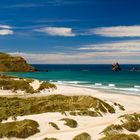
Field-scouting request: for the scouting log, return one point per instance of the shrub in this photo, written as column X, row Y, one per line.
column 19, row 129
column 46, row 85
column 82, row 136
column 122, row 137
column 70, row 122
column 132, row 126
column 54, row 125
column 50, row 139
column 112, row 129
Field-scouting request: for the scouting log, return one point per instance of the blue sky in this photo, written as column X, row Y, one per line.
column 71, row 31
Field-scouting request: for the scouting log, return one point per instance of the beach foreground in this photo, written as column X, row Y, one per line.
column 91, row 125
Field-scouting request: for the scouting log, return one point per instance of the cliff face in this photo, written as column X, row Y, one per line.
column 10, row 63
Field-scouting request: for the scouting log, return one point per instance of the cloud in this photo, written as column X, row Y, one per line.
column 81, row 57
column 116, row 31
column 57, row 31
column 120, row 46
column 5, row 26
column 6, row 30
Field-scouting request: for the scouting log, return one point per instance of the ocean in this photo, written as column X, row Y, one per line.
column 91, row 76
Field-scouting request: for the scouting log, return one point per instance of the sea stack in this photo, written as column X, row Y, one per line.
column 116, row 67
column 9, row 63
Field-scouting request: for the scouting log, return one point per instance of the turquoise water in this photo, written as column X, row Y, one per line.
column 93, row 76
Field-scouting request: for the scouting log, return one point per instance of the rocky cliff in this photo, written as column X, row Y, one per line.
column 9, row 63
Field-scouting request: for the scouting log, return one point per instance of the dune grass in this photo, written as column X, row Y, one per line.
column 50, row 139
column 15, row 84
column 122, row 137
column 112, row 129
column 52, row 103
column 54, row 125
column 70, row 122
column 19, row 129
column 130, row 122
column 82, row 136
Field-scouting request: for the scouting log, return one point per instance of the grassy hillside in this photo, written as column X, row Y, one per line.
column 9, row 63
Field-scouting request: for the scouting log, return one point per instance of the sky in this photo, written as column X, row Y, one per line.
column 71, row 31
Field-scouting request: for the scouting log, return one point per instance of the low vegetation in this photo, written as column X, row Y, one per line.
column 19, row 129
column 122, row 137
column 130, row 122
column 52, row 103
column 54, row 125
column 50, row 139
column 19, row 84
column 121, row 107
column 70, row 122
column 82, row 136
column 46, row 85
column 9, row 63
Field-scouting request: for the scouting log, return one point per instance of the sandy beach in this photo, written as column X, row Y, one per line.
column 91, row 125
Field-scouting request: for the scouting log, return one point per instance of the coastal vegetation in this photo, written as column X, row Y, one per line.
column 9, row 63
column 16, row 84
column 54, row 125
column 82, row 136
column 129, row 122
column 122, row 137
column 19, row 129
column 70, row 122
column 50, row 139
column 53, row 103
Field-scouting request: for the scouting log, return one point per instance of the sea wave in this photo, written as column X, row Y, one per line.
column 110, row 86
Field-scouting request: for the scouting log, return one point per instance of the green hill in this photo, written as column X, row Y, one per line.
column 9, row 63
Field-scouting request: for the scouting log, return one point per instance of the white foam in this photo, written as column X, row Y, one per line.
column 135, row 86
column 111, row 85
column 98, row 84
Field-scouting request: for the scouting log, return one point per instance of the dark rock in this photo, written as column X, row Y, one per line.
column 116, row 67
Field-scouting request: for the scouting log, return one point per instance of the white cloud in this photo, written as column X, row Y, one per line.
column 116, row 31
column 81, row 57
column 57, row 31
column 5, row 26
column 122, row 46
column 6, row 30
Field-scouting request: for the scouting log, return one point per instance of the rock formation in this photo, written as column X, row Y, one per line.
column 116, row 67
column 9, row 63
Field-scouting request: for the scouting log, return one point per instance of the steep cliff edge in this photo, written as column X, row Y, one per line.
column 9, row 63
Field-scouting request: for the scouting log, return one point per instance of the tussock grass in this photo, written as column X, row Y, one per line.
column 82, row 136
column 112, row 129
column 54, row 125
column 52, row 103
column 19, row 129
column 50, row 139
column 130, row 122
column 122, row 137
column 46, row 85
column 132, row 126
column 70, row 122
column 15, row 84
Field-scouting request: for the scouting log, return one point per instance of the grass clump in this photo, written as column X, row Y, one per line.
column 46, row 85
column 85, row 113
column 122, row 137
column 19, row 129
column 19, row 84
column 132, row 126
column 82, row 136
column 112, row 129
column 54, row 125
column 50, row 139
column 53, row 103
column 70, row 122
